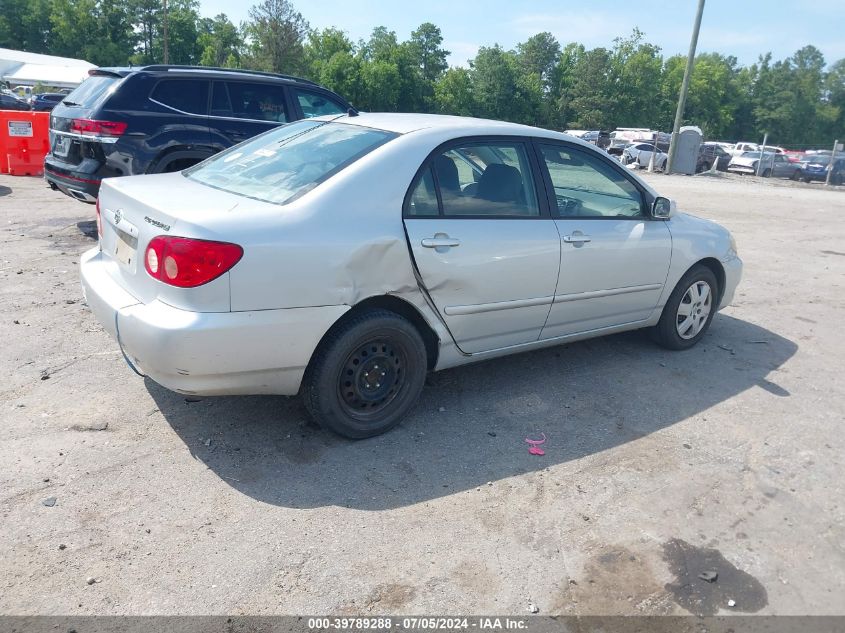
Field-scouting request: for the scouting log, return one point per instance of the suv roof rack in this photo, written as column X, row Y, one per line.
column 241, row 71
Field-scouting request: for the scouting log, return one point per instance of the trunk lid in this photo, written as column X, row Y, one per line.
column 136, row 209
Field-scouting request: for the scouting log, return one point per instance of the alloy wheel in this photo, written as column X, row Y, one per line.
column 694, row 310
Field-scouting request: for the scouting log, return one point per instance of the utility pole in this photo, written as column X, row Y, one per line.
column 831, row 163
column 762, row 153
column 682, row 98
column 166, row 52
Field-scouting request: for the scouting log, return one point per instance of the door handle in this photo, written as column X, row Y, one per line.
column 577, row 239
column 440, row 242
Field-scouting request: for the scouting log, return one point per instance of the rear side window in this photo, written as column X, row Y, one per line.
column 90, row 91
column 287, row 162
column 185, row 95
column 315, row 104
column 258, row 102
column 477, row 179
column 423, row 200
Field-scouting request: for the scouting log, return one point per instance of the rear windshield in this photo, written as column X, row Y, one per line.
column 287, row 162
column 90, row 91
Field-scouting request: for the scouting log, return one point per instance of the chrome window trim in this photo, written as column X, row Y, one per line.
column 216, row 116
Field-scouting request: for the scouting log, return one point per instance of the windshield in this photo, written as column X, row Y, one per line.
column 818, row 160
column 89, row 91
column 287, row 162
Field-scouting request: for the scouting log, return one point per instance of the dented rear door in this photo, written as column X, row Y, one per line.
column 485, row 248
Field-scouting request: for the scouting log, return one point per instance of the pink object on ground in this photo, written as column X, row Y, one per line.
column 534, row 445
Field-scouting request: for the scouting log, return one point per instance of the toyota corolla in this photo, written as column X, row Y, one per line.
column 341, row 259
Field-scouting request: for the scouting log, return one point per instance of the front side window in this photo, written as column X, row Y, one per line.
column 314, row 104
column 586, row 186
column 285, row 163
column 479, row 179
column 185, row 95
column 258, row 102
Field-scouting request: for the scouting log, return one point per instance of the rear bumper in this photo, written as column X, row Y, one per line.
column 73, row 180
column 733, row 275
column 207, row 353
column 819, row 176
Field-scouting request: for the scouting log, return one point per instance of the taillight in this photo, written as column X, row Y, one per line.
column 90, row 127
column 188, row 263
column 99, row 219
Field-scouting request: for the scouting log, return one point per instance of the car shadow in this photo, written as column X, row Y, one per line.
column 5, row 191
column 88, row 228
column 470, row 425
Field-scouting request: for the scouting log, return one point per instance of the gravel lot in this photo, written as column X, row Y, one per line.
column 659, row 465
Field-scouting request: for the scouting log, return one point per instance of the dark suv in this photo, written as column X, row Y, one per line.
column 155, row 119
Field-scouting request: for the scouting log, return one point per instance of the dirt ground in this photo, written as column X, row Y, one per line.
column 659, row 465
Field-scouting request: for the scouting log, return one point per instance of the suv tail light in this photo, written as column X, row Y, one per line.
column 99, row 219
column 90, row 127
column 188, row 263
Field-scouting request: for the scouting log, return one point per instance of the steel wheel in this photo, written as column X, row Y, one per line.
column 372, row 377
column 366, row 374
column 694, row 310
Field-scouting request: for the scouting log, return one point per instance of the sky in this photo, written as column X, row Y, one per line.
column 742, row 28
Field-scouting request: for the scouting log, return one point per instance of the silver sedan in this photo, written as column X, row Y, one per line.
column 342, row 259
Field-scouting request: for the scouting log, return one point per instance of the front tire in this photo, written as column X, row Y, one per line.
column 689, row 311
column 366, row 375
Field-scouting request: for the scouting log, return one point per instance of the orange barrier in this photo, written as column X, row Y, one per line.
column 24, row 142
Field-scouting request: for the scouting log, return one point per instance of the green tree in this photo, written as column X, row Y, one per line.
column 587, row 99
column 146, row 16
column 494, row 83
column 99, row 31
column 220, row 42
column 330, row 57
column 25, row 25
column 427, row 55
column 426, row 50
column 453, row 93
column 276, row 32
column 538, row 55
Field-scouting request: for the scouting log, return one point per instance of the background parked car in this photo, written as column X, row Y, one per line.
column 815, row 167
column 710, row 154
column 740, row 148
column 599, row 138
column 640, row 155
column 10, row 102
column 777, row 165
column 46, row 101
column 156, row 119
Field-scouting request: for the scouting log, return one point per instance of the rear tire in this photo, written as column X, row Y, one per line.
column 687, row 314
column 366, row 375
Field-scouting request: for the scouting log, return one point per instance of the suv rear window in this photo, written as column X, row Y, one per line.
column 287, row 162
column 185, row 95
column 90, row 91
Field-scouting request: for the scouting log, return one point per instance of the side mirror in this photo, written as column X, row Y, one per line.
column 663, row 208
